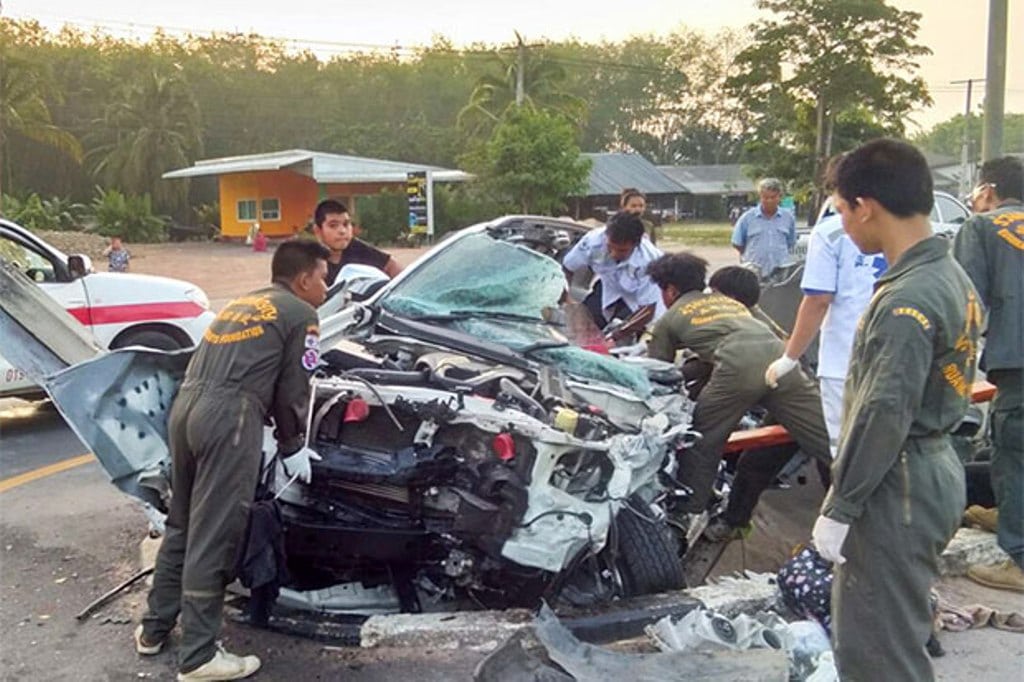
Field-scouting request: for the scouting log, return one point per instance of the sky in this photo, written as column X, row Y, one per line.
column 955, row 31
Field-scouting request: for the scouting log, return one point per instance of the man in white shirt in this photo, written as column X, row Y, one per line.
column 618, row 254
column 838, row 281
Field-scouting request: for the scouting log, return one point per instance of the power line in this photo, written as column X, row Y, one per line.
column 335, row 46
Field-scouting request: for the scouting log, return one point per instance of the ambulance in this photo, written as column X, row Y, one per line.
column 119, row 308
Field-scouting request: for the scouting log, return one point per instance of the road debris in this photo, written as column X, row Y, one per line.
column 102, row 600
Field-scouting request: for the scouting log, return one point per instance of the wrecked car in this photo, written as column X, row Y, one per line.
column 473, row 451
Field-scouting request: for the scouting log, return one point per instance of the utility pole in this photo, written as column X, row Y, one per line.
column 995, row 80
column 520, row 70
column 966, row 159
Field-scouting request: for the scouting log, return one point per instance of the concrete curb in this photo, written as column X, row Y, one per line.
column 476, row 630
column 486, row 630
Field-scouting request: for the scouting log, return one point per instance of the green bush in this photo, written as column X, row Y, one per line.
column 208, row 216
column 35, row 213
column 129, row 217
column 461, row 205
column 385, row 217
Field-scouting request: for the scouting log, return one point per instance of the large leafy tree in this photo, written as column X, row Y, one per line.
column 153, row 128
column 532, row 160
column 690, row 118
column 25, row 87
column 520, row 77
column 825, row 59
column 947, row 137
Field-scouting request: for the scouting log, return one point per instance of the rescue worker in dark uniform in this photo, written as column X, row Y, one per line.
column 254, row 360
column 755, row 469
column 722, row 332
column 990, row 247
column 897, row 485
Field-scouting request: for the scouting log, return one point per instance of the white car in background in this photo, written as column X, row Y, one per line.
column 948, row 214
column 120, row 309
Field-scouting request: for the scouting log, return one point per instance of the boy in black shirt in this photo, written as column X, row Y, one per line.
column 332, row 226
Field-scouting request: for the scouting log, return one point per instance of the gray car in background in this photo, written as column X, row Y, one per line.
column 948, row 214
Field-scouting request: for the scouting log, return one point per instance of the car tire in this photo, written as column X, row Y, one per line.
column 150, row 339
column 648, row 553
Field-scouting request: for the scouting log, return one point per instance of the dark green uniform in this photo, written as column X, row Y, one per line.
column 990, row 247
column 254, row 360
column 723, row 332
column 897, row 480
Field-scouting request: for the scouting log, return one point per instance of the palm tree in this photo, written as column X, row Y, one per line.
column 152, row 128
column 24, row 89
column 493, row 94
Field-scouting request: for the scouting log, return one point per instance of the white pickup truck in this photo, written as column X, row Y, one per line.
column 120, row 309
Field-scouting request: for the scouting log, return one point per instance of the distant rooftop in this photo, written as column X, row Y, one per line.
column 612, row 172
column 720, row 179
column 321, row 166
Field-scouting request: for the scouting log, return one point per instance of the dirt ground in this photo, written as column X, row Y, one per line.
column 226, row 270
column 222, row 270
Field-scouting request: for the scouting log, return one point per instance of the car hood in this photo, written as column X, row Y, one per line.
column 117, row 287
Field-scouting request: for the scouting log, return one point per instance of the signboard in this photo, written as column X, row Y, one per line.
column 417, row 192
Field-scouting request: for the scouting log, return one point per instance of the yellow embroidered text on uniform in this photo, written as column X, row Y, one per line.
column 907, row 311
column 1013, row 228
column 211, row 336
column 707, row 319
column 955, row 378
column 265, row 311
column 713, row 308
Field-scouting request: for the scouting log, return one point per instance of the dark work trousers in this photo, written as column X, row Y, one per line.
column 215, row 437
column 755, row 471
column 881, row 617
column 734, row 388
column 1008, row 459
column 593, row 304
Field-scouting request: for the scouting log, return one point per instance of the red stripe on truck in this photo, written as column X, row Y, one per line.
column 138, row 312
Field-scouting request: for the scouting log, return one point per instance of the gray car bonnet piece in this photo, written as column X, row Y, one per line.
column 118, row 404
column 584, row 661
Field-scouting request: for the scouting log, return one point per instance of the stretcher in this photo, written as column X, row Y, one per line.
column 764, row 436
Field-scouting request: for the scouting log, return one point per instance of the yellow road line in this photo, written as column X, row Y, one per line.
column 43, row 472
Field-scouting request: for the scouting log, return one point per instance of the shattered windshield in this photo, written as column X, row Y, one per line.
column 498, row 291
column 478, row 272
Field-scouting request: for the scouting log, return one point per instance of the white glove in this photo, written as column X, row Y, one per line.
column 778, row 369
column 300, row 465
column 829, row 537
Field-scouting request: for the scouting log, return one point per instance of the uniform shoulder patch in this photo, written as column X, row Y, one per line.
column 310, row 359
column 909, row 311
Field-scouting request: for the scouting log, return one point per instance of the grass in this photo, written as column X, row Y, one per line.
column 696, row 233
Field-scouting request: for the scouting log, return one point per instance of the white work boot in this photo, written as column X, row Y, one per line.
column 146, row 648
column 223, row 666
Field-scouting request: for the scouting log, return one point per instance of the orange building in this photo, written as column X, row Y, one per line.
column 278, row 191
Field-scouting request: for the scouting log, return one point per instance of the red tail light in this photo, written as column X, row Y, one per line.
column 504, row 447
column 357, row 410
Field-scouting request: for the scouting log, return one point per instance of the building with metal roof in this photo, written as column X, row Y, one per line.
column 719, row 180
column 612, row 172
column 278, row 191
